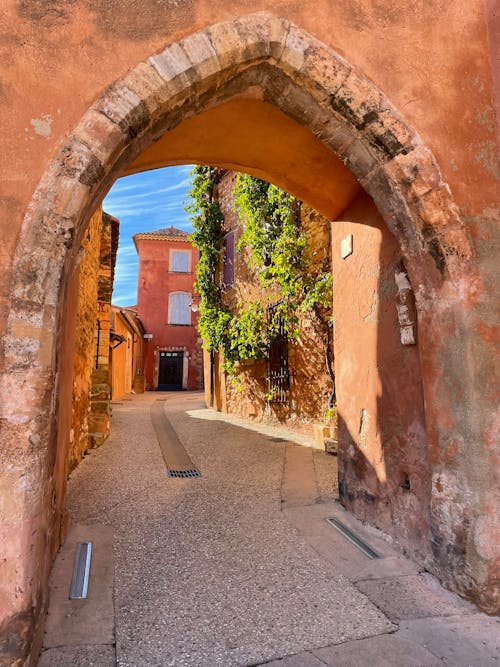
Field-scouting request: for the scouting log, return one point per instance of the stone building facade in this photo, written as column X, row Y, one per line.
column 165, row 301
column 309, row 387
column 91, row 378
column 303, row 96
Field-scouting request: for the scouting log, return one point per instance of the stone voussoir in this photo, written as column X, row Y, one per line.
column 416, row 170
column 101, row 135
column 357, row 100
column 315, row 68
column 236, row 45
column 201, row 53
column 78, row 161
column 32, row 291
column 70, row 198
column 262, row 35
column 124, row 108
column 436, row 209
column 147, row 84
column 388, row 135
column 358, row 157
column 175, row 69
column 299, row 105
column 21, row 351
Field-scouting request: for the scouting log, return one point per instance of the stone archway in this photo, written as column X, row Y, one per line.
column 315, row 86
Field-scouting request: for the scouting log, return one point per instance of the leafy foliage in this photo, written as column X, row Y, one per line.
column 275, row 243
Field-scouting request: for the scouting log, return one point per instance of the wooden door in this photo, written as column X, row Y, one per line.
column 170, row 371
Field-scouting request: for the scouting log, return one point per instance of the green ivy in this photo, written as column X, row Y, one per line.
column 275, row 244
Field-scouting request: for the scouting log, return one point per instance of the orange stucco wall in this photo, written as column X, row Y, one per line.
column 384, row 469
column 121, row 367
column 155, row 282
column 432, row 60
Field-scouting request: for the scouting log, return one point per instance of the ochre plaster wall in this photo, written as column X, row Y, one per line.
column 431, row 61
column 155, row 282
column 121, row 366
column 126, row 359
column 384, row 473
column 310, row 386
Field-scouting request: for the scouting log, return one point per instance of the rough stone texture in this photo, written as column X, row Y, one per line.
column 310, row 385
column 98, row 420
column 85, row 340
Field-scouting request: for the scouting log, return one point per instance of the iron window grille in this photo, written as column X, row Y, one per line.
column 278, row 375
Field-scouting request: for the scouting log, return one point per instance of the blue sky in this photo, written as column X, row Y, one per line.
column 144, row 202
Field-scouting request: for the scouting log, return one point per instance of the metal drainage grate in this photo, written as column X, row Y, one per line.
column 184, row 473
column 353, row 538
column 81, row 571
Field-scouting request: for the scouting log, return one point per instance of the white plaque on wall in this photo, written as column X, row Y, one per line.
column 346, row 246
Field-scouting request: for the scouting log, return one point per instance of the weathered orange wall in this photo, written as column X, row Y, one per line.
column 52, row 48
column 126, row 359
column 384, row 474
column 121, row 366
column 85, row 349
column 155, row 282
column 433, row 62
column 310, row 386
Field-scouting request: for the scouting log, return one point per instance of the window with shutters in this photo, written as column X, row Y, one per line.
column 179, row 308
column 180, row 261
column 228, row 257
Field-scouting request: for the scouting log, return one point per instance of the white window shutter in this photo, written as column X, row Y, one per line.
column 180, row 261
column 179, row 312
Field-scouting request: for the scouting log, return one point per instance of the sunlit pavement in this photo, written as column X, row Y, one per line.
column 239, row 566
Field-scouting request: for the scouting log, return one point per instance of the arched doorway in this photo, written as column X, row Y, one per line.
column 267, row 59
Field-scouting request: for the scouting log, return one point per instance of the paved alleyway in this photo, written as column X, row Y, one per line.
column 239, row 566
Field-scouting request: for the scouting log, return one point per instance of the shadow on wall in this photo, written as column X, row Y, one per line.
column 384, row 473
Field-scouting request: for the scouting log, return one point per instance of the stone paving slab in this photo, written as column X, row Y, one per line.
column 299, row 485
column 80, row 656
column 382, row 651
column 305, row 659
column 311, row 522
column 90, row 620
column 458, row 641
column 414, row 596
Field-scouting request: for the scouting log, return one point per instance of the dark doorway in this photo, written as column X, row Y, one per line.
column 170, row 371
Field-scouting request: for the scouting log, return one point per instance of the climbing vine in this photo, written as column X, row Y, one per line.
column 207, row 219
column 276, row 249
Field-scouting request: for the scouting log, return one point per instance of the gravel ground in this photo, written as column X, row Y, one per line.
column 209, row 571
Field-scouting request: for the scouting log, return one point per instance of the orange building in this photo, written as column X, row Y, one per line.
column 165, row 304
column 126, row 352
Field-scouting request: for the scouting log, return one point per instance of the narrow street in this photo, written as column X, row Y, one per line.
column 238, row 566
